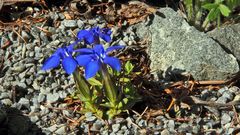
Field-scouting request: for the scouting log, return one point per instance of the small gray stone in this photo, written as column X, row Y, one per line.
column 80, row 24
column 62, row 94
column 171, row 124
column 228, row 95
column 25, row 35
column 4, row 95
column 115, row 127
column 196, row 129
column 222, row 90
column 119, row 120
column 91, row 118
column 61, row 15
column 230, row 131
column 70, row 23
column 92, row 21
column 52, row 97
column 234, row 89
column 31, row 54
column 121, row 42
column 44, row 38
column 19, row 68
column 41, row 97
column 164, row 132
column 44, row 110
column 6, row 102
column 61, row 131
column 36, row 9
column 53, row 128
column 34, row 119
column 25, row 102
column 96, row 126
column 227, row 126
column 151, row 125
column 88, row 114
column 129, row 122
column 66, row 113
column 225, row 119
column 142, row 123
column 222, row 100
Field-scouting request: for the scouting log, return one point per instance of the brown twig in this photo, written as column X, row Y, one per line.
column 19, row 36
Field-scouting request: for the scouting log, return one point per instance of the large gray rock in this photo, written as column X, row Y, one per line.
column 177, row 48
column 228, row 37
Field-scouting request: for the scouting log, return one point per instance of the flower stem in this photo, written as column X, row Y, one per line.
column 82, row 86
column 110, row 88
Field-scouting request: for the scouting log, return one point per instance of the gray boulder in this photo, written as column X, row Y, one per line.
column 177, row 48
column 229, row 38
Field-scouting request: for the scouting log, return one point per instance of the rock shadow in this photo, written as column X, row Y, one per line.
column 14, row 122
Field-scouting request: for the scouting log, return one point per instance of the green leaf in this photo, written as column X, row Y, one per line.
column 224, row 10
column 137, row 73
column 94, row 82
column 213, row 14
column 210, row 6
column 124, row 80
column 128, row 67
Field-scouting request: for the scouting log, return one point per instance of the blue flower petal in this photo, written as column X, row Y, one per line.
column 91, row 69
column 109, row 49
column 99, row 49
column 81, row 34
column 89, row 39
column 83, row 60
column 69, row 65
column 105, row 37
column 113, row 63
column 106, row 31
column 84, row 51
column 51, row 62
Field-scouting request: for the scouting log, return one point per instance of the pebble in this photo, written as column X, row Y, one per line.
column 70, row 23
column 96, row 126
column 53, row 128
column 61, row 131
column 225, row 119
column 62, row 16
column 25, row 35
column 34, row 119
column 52, row 97
column 164, row 132
column 6, row 102
column 222, row 100
column 222, row 90
column 228, row 95
column 142, row 123
column 80, row 24
column 91, row 118
column 25, row 102
column 4, row 95
column 171, row 124
column 115, row 127
column 92, row 21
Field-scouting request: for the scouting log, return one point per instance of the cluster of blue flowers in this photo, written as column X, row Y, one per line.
column 91, row 59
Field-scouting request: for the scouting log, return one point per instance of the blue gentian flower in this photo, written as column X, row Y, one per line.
column 93, row 35
column 92, row 59
column 65, row 56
